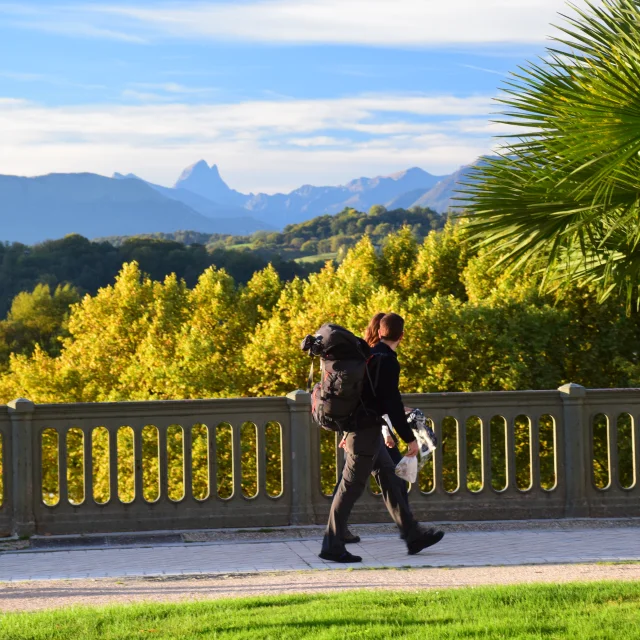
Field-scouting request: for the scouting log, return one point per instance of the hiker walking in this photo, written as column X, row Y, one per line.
column 359, row 385
column 372, row 338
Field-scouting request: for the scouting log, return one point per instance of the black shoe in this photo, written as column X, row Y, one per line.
column 350, row 538
column 345, row 557
column 427, row 539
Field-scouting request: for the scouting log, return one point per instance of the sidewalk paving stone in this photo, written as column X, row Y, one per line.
column 458, row 549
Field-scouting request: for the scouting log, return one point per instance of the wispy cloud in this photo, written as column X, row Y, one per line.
column 371, row 22
column 173, row 88
column 484, row 69
column 12, row 8
column 74, row 21
column 145, row 96
column 79, row 30
column 269, row 145
column 318, row 141
column 184, row 73
column 20, row 76
column 354, row 71
column 162, row 91
column 401, row 23
column 12, row 102
column 25, row 77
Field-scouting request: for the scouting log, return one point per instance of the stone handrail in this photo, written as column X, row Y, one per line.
column 571, row 409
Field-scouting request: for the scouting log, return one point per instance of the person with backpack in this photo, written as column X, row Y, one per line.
column 359, row 385
column 372, row 338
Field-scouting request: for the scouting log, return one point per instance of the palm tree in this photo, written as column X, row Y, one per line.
column 565, row 189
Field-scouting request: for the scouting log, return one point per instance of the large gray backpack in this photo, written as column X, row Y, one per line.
column 336, row 401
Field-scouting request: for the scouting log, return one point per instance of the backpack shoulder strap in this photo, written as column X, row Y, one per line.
column 310, row 379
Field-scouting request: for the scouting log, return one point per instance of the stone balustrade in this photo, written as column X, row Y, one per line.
column 571, row 452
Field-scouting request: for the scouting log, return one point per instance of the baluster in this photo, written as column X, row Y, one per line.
column 462, row 454
column 612, row 438
column 62, row 466
column 535, row 453
column 162, row 462
column 88, row 466
column 261, row 458
column 137, row 464
column 212, row 460
column 438, row 475
column 236, row 433
column 636, row 456
column 3, row 467
column 113, row 463
column 511, row 455
column 486, row 452
column 187, row 461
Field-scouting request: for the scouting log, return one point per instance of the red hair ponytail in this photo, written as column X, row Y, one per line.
column 372, row 332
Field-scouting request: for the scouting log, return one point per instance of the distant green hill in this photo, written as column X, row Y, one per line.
column 330, row 234
column 322, row 237
column 90, row 265
column 297, row 251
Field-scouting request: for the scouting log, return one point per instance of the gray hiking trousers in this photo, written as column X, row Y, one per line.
column 365, row 454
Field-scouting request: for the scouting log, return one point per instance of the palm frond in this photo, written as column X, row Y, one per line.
column 569, row 188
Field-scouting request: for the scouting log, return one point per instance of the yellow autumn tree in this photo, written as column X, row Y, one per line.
column 348, row 295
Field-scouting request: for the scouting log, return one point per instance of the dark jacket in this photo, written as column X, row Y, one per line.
column 384, row 369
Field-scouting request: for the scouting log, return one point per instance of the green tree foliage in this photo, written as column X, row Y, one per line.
column 328, row 233
column 399, row 259
column 88, row 266
column 468, row 329
column 566, row 186
column 348, row 294
column 36, row 318
column 440, row 264
column 321, row 235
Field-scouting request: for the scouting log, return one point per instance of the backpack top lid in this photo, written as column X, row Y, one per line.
column 339, row 343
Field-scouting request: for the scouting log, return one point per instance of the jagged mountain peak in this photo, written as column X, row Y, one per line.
column 410, row 179
column 122, row 176
column 413, row 186
column 199, row 171
column 412, row 172
column 206, row 181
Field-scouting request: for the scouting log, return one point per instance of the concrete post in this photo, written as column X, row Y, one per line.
column 21, row 412
column 576, row 450
column 301, row 506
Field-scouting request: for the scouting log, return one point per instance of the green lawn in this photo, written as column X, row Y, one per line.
column 317, row 258
column 578, row 611
column 244, row 245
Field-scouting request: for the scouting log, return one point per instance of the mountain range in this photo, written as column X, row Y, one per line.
column 413, row 187
column 51, row 206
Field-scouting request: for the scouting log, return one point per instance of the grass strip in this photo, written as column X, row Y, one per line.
column 594, row 610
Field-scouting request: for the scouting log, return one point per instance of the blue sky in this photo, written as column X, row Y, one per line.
column 278, row 93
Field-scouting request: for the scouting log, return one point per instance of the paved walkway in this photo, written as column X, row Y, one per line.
column 458, row 549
